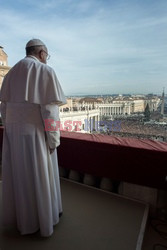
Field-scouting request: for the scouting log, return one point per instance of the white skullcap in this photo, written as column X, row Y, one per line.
column 35, row 42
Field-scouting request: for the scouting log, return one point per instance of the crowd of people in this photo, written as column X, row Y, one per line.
column 139, row 129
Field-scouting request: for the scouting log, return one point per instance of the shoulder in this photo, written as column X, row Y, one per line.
column 46, row 68
column 34, row 64
column 23, row 63
column 13, row 69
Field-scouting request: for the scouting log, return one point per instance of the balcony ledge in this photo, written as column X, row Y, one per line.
column 137, row 161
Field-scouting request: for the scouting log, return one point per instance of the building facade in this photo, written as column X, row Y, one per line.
column 84, row 121
column 4, row 68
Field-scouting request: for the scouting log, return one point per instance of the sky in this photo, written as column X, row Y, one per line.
column 97, row 46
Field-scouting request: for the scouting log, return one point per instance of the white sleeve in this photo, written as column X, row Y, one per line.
column 50, row 116
column 3, row 112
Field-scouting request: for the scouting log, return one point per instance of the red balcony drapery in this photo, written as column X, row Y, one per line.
column 138, row 161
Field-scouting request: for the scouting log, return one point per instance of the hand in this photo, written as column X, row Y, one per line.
column 51, row 150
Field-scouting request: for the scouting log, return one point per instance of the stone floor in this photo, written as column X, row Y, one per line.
column 92, row 220
column 153, row 240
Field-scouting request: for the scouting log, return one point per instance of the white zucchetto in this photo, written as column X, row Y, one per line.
column 35, row 42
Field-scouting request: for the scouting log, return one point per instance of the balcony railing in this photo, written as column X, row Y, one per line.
column 137, row 161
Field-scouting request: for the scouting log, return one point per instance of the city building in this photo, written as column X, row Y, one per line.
column 85, row 120
column 4, row 68
column 112, row 107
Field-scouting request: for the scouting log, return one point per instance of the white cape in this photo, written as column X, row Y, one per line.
column 32, row 81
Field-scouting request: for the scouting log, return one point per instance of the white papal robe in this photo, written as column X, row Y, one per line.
column 31, row 197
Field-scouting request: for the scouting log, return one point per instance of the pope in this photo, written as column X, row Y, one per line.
column 31, row 94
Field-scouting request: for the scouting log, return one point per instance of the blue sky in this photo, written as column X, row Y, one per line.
column 96, row 46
